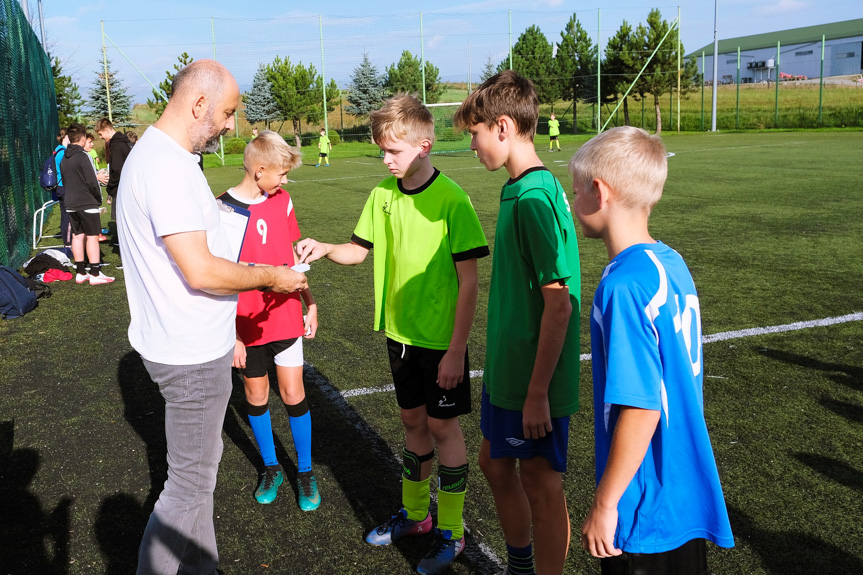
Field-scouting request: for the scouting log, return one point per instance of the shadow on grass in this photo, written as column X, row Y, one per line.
column 838, row 471
column 119, row 526
column 31, row 541
column 848, row 375
column 793, row 552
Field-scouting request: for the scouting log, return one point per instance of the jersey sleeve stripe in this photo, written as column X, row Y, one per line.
column 361, row 242
column 474, row 253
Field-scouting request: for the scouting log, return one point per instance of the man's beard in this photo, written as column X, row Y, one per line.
column 205, row 142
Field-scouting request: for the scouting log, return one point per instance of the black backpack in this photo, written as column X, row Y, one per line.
column 48, row 175
column 16, row 299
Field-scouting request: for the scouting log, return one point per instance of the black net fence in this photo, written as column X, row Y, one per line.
column 28, row 130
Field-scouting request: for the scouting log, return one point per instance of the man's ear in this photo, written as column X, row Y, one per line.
column 199, row 106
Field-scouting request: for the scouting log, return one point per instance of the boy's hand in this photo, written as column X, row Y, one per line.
column 309, row 250
column 536, row 416
column 311, row 321
column 239, row 355
column 597, row 532
column 450, row 370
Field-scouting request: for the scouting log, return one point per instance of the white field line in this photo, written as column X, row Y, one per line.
column 783, row 145
column 721, row 336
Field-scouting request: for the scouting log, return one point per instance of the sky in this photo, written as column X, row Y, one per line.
column 143, row 40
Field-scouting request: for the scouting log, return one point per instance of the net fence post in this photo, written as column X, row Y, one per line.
column 105, row 66
column 821, row 83
column 423, row 58
column 323, row 76
column 598, row 71
column 776, row 78
column 737, row 121
column 678, row 68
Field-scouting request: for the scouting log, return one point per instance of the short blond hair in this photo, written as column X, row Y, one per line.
column 402, row 118
column 631, row 161
column 270, row 150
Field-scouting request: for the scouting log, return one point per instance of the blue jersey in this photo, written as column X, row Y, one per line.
column 645, row 329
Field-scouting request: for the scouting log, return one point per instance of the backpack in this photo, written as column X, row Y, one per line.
column 15, row 297
column 48, row 175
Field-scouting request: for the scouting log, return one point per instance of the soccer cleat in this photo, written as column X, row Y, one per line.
column 268, row 488
column 397, row 527
column 307, row 486
column 317, row 165
column 443, row 552
column 100, row 279
column 82, row 278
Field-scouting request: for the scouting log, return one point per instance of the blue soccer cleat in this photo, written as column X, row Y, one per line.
column 397, row 527
column 443, row 552
column 307, row 486
column 268, row 488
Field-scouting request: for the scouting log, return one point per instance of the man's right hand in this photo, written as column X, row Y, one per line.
column 287, row 280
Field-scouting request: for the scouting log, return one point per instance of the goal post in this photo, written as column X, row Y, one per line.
column 448, row 138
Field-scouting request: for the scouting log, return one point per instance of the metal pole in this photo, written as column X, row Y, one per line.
column 213, row 32
column 26, row 10
column 423, row 57
column 702, row 90
column 598, row 66
column 737, row 122
column 715, row 64
column 221, row 155
column 42, row 27
column 678, row 69
column 776, row 79
column 324, row 77
column 468, row 67
column 510, row 39
column 105, row 66
column 821, row 83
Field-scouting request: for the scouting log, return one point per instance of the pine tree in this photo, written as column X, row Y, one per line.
column 575, row 65
column 159, row 102
column 68, row 95
column 660, row 77
column 367, row 90
column 406, row 76
column 298, row 93
column 532, row 58
column 121, row 102
column 624, row 57
column 259, row 101
column 488, row 71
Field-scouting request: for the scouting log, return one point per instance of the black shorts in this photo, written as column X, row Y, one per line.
column 415, row 377
column 259, row 358
column 85, row 223
column 552, row 137
column 688, row 559
column 322, row 155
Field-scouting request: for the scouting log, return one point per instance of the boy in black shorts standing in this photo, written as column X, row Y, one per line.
column 423, row 227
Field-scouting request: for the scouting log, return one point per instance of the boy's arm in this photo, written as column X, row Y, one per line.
column 350, row 254
column 536, row 414
column 310, row 323
column 450, row 371
column 632, row 434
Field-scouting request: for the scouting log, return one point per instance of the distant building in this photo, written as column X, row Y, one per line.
column 799, row 54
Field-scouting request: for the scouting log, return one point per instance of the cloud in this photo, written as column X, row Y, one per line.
column 100, row 7
column 435, row 41
column 782, row 7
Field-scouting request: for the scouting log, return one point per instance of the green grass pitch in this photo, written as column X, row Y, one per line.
column 771, row 227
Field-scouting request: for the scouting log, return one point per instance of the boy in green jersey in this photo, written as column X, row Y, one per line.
column 553, row 132
column 532, row 353
column 324, row 147
column 427, row 239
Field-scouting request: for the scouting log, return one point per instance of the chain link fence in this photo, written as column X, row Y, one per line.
column 28, row 130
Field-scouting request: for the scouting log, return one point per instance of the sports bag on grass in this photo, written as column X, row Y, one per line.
column 48, row 175
column 15, row 297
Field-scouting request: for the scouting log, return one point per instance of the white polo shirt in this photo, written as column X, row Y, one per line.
column 162, row 192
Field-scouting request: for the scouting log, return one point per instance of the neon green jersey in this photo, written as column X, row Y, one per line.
column 554, row 127
column 418, row 235
column 324, row 144
column 534, row 245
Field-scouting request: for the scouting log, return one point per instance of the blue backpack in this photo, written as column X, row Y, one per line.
column 16, row 299
column 48, row 175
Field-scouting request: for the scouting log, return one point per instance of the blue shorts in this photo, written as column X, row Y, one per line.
column 503, row 430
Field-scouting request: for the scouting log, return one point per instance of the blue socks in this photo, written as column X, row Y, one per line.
column 519, row 560
column 301, row 429
column 259, row 419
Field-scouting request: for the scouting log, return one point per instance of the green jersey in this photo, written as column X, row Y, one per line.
column 418, row 235
column 554, row 127
column 534, row 245
column 324, row 144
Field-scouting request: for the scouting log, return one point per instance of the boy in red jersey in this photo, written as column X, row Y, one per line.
column 270, row 326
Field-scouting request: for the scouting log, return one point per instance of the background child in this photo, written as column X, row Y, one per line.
column 270, row 326
column 658, row 496
column 423, row 226
column 324, row 147
column 532, row 349
column 553, row 132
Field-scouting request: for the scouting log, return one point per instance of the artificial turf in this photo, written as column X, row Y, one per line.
column 769, row 225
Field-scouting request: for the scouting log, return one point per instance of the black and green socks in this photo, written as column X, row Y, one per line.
column 452, row 487
column 415, row 491
column 519, row 560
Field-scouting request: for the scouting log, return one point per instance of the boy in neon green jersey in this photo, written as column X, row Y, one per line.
column 532, row 352
column 324, row 148
column 427, row 239
column 553, row 132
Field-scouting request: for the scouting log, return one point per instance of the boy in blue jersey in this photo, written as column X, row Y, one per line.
column 658, row 496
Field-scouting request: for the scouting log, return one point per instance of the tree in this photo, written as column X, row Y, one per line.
column 159, row 102
column 488, row 71
column 68, row 95
column 259, row 101
column 121, row 102
column 532, row 58
column 298, row 92
column 367, row 91
column 624, row 58
column 406, row 76
column 575, row 65
column 660, row 76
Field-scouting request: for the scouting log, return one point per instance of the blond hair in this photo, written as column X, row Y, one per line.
column 505, row 94
column 631, row 161
column 271, row 151
column 402, row 118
